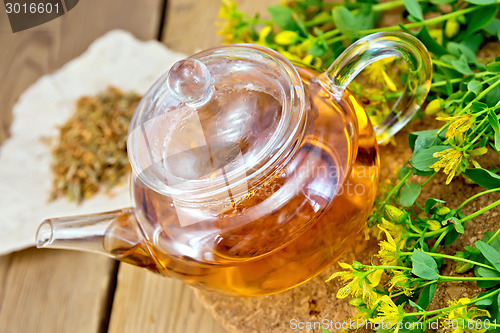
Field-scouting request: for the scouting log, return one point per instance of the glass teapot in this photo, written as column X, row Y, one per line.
column 250, row 176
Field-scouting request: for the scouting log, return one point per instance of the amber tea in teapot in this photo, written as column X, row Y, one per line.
column 251, row 176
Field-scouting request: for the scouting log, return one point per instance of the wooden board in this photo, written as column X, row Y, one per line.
column 58, row 291
column 190, row 24
column 145, row 303
column 53, row 291
column 29, row 54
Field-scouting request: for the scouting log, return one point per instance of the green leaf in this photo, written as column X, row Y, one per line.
column 497, row 142
column 481, row 2
column 485, row 301
column 426, row 295
column 493, row 27
column 441, row 2
column 483, row 177
column 458, row 225
column 487, row 273
column 480, row 18
column 490, row 253
column 424, row 266
column 493, row 96
column 475, row 86
column 422, row 140
column 413, row 7
column 450, row 237
column 424, row 159
column 495, row 243
column 430, row 203
column 403, row 171
column 493, row 67
column 461, row 64
column 493, row 120
column 409, row 193
column 344, row 20
column 282, row 17
column 478, row 106
column 430, row 43
column 415, row 305
column 317, row 50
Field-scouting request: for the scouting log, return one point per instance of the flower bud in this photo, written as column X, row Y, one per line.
column 451, row 28
column 433, row 225
column 356, row 301
column 478, row 151
column 357, row 265
column 286, row 37
column 443, row 211
column 433, row 107
column 394, row 214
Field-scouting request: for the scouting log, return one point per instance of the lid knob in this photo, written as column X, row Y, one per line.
column 190, row 82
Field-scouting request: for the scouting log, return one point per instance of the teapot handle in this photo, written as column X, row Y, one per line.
column 376, row 47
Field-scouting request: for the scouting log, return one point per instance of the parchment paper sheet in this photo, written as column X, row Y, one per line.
column 116, row 59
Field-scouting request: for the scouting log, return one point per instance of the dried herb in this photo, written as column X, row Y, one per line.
column 92, row 146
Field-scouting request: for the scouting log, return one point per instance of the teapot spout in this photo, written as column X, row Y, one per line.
column 115, row 234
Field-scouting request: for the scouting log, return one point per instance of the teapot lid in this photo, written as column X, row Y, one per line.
column 214, row 120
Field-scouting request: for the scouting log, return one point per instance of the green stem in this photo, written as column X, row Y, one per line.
column 398, row 186
column 441, row 237
column 388, row 267
column 483, row 93
column 443, row 64
column 479, row 212
column 432, row 21
column 378, row 8
column 466, row 148
column 441, row 255
column 476, row 196
column 428, row 179
column 466, row 278
column 433, row 233
column 493, row 237
column 458, row 80
column 429, row 22
column 439, row 311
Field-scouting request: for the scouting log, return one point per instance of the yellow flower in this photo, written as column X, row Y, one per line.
column 437, row 35
column 388, row 252
column 459, row 124
column 361, row 316
column 449, row 160
column 264, row 32
column 286, row 37
column 399, row 282
column 376, row 73
column 463, row 315
column 357, row 284
column 388, row 312
column 451, row 28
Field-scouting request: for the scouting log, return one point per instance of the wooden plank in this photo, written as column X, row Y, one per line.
column 53, row 291
column 59, row 291
column 145, row 302
column 29, row 54
column 190, row 24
